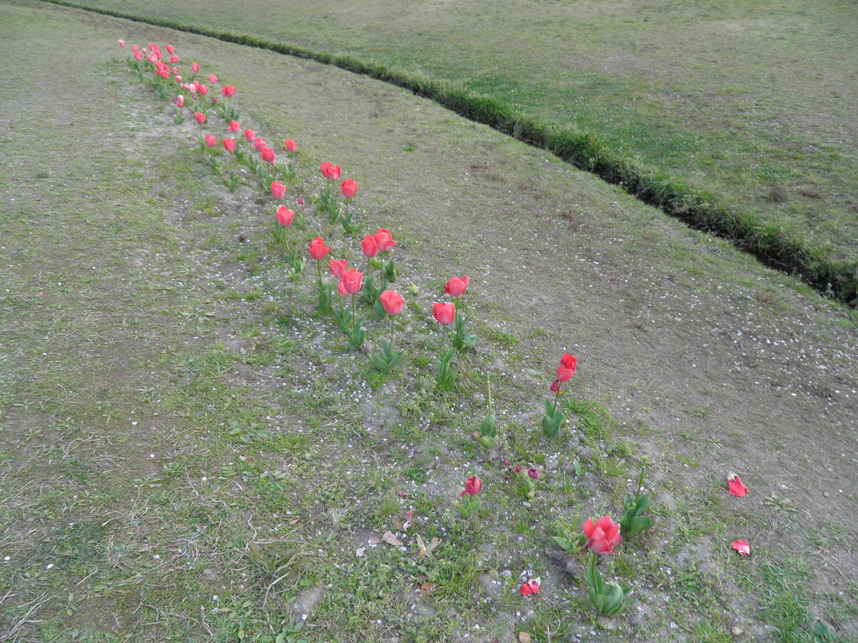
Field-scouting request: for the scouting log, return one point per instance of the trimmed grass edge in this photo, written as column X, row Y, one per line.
column 777, row 248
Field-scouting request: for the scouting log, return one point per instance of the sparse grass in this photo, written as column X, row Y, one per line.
column 161, row 483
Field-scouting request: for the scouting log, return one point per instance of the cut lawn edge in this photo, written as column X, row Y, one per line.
column 776, row 247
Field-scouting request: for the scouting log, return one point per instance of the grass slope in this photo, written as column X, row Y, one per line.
column 734, row 116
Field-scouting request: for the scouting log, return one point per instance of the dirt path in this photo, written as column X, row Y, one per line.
column 711, row 362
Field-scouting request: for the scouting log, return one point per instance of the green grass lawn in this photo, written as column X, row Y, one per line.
column 737, row 115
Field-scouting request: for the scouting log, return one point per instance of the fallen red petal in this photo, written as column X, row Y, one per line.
column 742, row 547
column 530, row 587
column 735, row 486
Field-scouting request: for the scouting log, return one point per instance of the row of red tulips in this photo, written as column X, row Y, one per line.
column 276, row 178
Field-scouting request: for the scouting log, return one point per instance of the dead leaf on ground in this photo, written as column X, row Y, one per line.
column 426, row 588
column 375, row 540
column 390, row 539
column 425, row 550
column 524, row 637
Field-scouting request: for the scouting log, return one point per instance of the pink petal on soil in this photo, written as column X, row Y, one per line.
column 742, row 547
column 735, row 486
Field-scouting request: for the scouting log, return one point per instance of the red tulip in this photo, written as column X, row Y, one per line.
column 212, row 79
column 290, row 145
column 384, row 240
column 227, row 91
column 567, row 367
column 258, row 143
column 278, row 190
column 602, row 535
column 349, row 188
column 300, row 201
column 352, row 280
column 138, row 55
column 202, row 89
column 392, row 302
column 229, row 144
column 234, row 126
column 735, row 486
column 444, row 313
column 338, row 267
column 555, row 386
column 284, row 215
column 268, row 155
column 341, row 288
column 121, row 43
column 195, row 67
column 370, row 249
column 211, row 140
column 456, row 287
column 533, row 472
column 472, row 486
column 318, row 249
column 330, row 170
column 174, row 60
column 180, row 100
column 170, row 49
column 201, row 118
column 530, row 587
column 249, row 134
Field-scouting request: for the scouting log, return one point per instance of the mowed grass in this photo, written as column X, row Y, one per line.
column 745, row 108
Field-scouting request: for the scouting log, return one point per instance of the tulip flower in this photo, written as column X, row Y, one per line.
column 249, row 134
column 170, row 49
column 602, row 535
column 212, row 79
column 211, row 140
column 229, row 144
column 174, row 60
column 338, row 267
column 533, row 472
column 227, row 91
column 384, row 240
column 392, row 302
column 567, row 367
column 201, row 118
column 268, row 155
column 329, row 170
column 290, row 145
column 284, row 215
column 138, row 55
column 195, row 67
column 318, row 249
column 456, row 287
column 530, row 587
column 202, row 89
column 180, row 101
column 370, row 249
column 444, row 313
column 234, row 126
column 278, row 190
column 349, row 188
column 121, row 43
column 735, row 486
column 473, row 485
column 341, row 288
column 352, row 280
